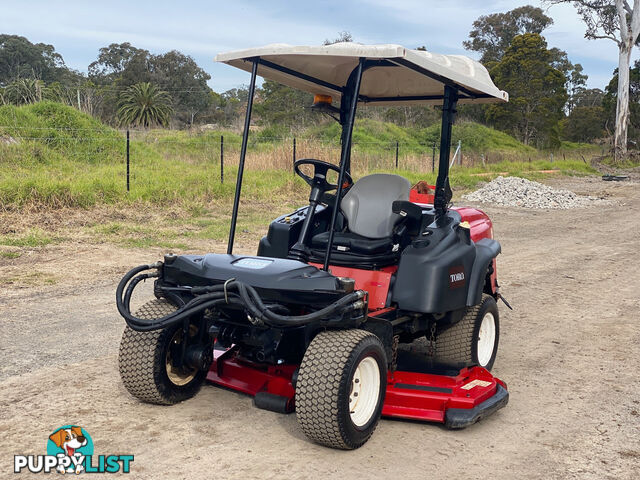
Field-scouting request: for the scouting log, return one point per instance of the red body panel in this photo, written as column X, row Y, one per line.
column 416, row 197
column 479, row 222
column 375, row 282
column 481, row 227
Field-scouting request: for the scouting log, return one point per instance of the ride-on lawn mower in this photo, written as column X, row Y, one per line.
column 319, row 320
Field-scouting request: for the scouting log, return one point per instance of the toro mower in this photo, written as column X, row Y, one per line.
column 322, row 320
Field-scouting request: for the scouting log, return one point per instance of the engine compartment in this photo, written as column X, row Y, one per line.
column 276, row 279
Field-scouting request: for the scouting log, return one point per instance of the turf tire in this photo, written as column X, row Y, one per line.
column 324, row 386
column 458, row 345
column 142, row 360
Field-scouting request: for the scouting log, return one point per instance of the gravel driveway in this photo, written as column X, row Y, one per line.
column 570, row 353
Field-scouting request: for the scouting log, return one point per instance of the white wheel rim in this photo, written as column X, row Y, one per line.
column 486, row 339
column 365, row 391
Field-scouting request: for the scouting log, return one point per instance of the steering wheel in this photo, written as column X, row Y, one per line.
column 320, row 170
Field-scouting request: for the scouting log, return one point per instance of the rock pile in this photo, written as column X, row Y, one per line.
column 520, row 192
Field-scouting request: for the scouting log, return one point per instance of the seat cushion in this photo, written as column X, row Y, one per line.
column 367, row 205
column 354, row 243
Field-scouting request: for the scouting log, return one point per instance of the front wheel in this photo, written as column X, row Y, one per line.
column 146, row 359
column 474, row 339
column 340, row 388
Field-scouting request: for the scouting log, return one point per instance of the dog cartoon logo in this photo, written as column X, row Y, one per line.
column 72, row 442
column 70, row 450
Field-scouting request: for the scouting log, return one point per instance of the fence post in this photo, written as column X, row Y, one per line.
column 397, row 149
column 127, row 159
column 294, row 153
column 221, row 158
column 433, row 158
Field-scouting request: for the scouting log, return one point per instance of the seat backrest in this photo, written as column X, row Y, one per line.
column 367, row 206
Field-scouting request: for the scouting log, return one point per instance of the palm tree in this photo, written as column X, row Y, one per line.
column 144, row 104
column 24, row 91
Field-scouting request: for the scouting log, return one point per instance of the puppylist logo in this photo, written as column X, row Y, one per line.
column 70, row 450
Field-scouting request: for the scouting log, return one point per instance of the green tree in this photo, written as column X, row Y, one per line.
column 589, row 97
column 584, row 124
column 232, row 101
column 285, row 106
column 410, row 116
column 536, row 89
column 576, row 80
column 122, row 65
column 118, row 66
column 117, row 58
column 145, row 105
column 185, row 81
column 492, row 34
column 19, row 58
column 226, row 109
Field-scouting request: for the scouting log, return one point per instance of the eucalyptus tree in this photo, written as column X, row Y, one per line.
column 618, row 21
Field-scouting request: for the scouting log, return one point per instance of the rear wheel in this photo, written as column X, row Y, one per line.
column 474, row 339
column 340, row 388
column 146, row 360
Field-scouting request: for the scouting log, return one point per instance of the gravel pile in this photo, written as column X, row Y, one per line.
column 520, row 192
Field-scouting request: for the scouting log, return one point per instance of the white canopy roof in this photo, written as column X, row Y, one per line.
column 410, row 77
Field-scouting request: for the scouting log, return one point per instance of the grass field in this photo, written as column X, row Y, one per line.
column 63, row 175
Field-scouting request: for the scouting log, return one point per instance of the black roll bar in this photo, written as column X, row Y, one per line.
column 443, row 189
column 353, row 86
column 243, row 154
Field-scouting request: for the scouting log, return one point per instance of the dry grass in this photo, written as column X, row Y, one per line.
column 29, row 278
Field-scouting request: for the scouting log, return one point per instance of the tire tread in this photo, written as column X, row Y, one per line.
column 320, row 381
column 454, row 345
column 139, row 356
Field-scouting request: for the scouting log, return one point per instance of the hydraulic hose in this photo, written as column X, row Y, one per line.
column 294, row 320
column 233, row 292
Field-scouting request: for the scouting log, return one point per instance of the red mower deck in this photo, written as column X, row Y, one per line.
column 457, row 401
column 454, row 400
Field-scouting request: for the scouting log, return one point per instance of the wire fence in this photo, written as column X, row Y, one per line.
column 215, row 152
column 140, row 156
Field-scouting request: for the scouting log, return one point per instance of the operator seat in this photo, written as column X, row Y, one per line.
column 367, row 208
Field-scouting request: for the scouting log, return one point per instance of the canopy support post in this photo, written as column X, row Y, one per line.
column 352, row 89
column 443, row 189
column 345, row 105
column 243, row 154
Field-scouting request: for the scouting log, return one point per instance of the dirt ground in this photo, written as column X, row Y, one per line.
column 570, row 353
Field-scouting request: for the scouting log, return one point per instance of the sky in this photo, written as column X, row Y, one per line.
column 78, row 29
